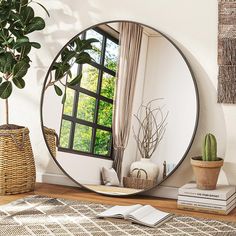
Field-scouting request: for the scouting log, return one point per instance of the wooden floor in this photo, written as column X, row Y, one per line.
column 79, row 194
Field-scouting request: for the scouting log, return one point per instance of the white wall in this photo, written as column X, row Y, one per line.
column 192, row 24
column 168, row 77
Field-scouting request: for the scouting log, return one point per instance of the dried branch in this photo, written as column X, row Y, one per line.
column 151, row 129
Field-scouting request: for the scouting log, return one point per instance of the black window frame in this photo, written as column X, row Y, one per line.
column 77, row 90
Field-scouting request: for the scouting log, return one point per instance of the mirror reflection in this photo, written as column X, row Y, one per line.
column 119, row 108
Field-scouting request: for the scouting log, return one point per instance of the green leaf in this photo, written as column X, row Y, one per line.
column 20, row 42
column 76, row 80
column 15, row 32
column 87, row 43
column 22, row 3
column 67, row 55
column 55, row 65
column 35, row 45
column 61, row 70
column 20, row 69
column 3, row 35
column 69, row 73
column 57, row 90
column 63, row 98
column 78, row 44
column 9, row 62
column 83, row 58
column 37, row 23
column 6, row 62
column 5, row 9
column 27, row 15
column 2, row 61
column 25, row 50
column 2, row 50
column 8, row 41
column 3, row 23
column 17, row 19
column 1, row 80
column 26, row 59
column 5, row 89
column 19, row 82
column 91, row 40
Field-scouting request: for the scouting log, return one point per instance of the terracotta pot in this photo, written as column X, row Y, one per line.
column 206, row 172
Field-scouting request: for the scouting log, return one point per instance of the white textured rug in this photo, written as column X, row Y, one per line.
column 44, row 216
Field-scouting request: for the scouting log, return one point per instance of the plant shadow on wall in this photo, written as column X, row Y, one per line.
column 17, row 22
column 62, row 26
column 64, row 23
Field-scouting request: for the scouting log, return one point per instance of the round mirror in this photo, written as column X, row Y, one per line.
column 119, row 108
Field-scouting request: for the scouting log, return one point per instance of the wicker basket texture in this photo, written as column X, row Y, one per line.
column 138, row 182
column 52, row 140
column 17, row 167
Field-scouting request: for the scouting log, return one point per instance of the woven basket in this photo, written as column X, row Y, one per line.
column 52, row 140
column 17, row 167
column 137, row 182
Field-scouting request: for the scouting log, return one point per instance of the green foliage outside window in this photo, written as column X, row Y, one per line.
column 87, row 104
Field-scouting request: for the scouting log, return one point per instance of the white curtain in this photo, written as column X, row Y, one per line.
column 130, row 44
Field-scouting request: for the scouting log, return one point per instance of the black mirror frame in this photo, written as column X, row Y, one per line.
column 196, row 118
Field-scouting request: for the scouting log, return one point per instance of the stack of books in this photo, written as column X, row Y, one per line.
column 222, row 200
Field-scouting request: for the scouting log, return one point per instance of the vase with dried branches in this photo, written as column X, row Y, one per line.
column 151, row 129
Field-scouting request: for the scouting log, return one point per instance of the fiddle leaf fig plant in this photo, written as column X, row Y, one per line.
column 17, row 22
column 76, row 52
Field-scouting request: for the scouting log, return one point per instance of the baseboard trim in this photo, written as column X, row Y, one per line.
column 161, row 191
column 55, row 179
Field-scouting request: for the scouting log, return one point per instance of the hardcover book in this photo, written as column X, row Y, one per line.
column 205, row 209
column 207, row 205
column 222, row 192
column 209, row 201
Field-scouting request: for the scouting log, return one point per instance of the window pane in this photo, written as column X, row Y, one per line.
column 65, row 133
column 102, row 142
column 97, row 47
column 86, row 107
column 105, row 114
column 111, row 55
column 82, row 138
column 89, row 80
column 68, row 105
column 108, row 85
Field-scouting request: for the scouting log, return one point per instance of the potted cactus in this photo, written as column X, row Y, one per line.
column 207, row 167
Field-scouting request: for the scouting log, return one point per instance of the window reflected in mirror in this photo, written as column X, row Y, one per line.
column 87, row 112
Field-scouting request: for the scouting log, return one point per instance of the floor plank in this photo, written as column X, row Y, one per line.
column 74, row 193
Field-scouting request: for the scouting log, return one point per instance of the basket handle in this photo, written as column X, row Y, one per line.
column 139, row 172
column 19, row 145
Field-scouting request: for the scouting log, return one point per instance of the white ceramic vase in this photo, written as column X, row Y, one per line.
column 148, row 166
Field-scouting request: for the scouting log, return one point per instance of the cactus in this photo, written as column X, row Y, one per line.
column 209, row 148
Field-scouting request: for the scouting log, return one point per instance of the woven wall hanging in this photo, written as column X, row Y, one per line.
column 227, row 51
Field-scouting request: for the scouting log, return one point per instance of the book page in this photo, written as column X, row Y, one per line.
column 119, row 211
column 148, row 215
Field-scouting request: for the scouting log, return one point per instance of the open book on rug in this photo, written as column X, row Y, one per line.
column 140, row 214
